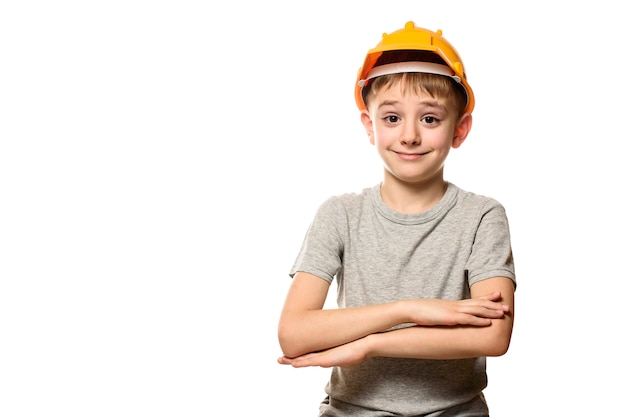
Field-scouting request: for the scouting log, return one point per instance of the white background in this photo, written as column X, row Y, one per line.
column 161, row 160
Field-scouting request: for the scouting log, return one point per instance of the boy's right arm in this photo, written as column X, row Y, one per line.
column 305, row 327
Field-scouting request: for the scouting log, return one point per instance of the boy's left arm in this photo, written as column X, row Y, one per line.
column 434, row 342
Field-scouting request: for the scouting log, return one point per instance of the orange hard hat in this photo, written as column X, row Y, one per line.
column 412, row 38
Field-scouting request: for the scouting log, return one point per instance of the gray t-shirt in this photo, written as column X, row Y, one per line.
column 379, row 255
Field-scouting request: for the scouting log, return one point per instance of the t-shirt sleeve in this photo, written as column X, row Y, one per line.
column 322, row 249
column 491, row 254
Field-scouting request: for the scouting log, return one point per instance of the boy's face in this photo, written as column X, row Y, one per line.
column 413, row 133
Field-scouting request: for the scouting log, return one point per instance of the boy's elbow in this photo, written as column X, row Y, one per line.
column 283, row 341
column 499, row 342
column 499, row 348
column 287, row 339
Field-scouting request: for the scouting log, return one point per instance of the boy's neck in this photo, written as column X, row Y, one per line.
column 409, row 198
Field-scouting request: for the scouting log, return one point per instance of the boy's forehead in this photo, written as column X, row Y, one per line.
column 399, row 93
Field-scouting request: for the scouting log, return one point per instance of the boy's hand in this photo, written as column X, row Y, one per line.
column 471, row 312
column 346, row 356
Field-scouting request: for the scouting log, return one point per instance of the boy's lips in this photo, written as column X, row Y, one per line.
column 410, row 156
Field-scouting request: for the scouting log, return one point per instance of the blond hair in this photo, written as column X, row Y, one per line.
column 436, row 86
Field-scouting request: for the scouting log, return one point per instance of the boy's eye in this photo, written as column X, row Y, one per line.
column 392, row 119
column 429, row 119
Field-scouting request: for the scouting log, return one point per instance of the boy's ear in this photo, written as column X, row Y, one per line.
column 463, row 127
column 368, row 125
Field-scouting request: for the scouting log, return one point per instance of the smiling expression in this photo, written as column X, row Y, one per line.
column 413, row 132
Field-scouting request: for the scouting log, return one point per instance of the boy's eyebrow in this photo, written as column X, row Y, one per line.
column 387, row 103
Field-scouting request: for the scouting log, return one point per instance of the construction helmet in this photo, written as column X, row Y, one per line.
column 413, row 38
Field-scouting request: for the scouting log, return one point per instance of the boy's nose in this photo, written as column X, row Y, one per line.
column 410, row 136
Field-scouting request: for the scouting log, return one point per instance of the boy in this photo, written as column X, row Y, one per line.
column 424, row 269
